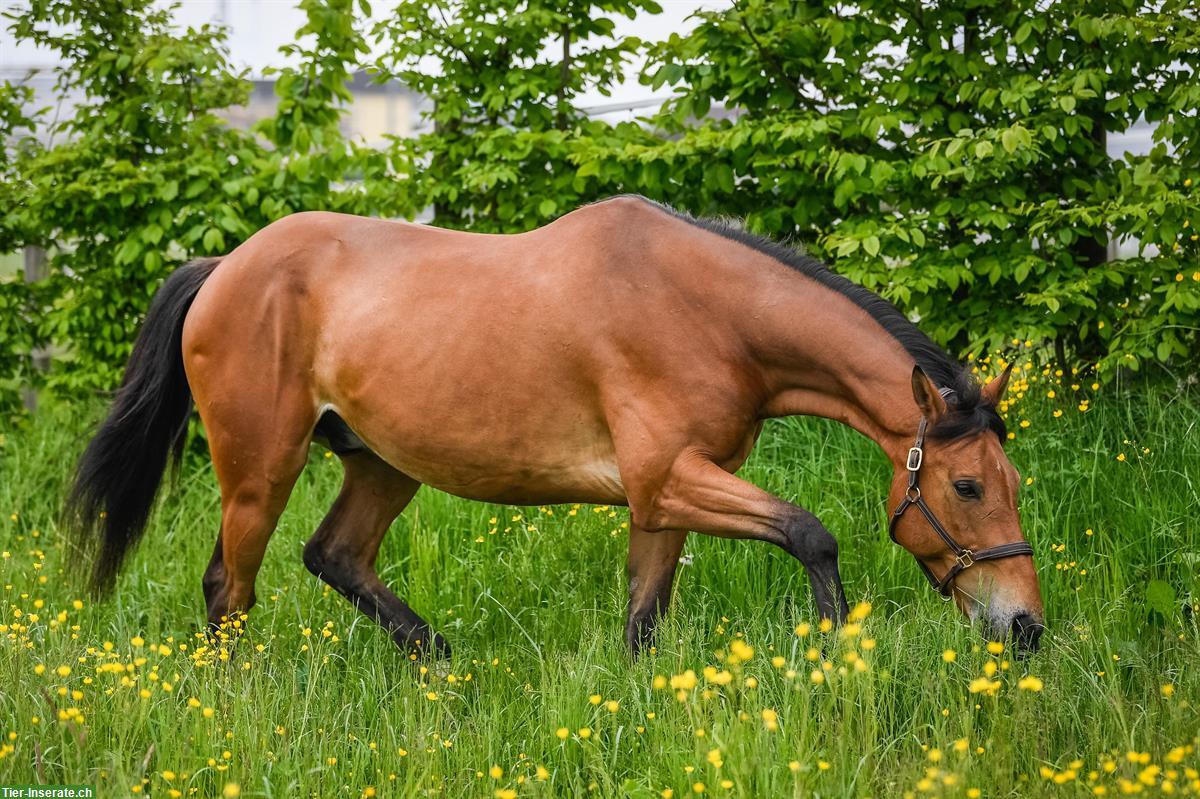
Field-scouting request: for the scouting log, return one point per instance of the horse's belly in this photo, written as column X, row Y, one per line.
column 572, row 466
column 514, row 481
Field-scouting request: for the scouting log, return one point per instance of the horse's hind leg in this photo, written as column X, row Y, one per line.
column 343, row 550
column 257, row 457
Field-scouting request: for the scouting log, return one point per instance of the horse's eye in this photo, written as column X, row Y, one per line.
column 967, row 489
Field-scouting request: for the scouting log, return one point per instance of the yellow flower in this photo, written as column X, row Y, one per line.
column 563, row 733
column 823, row 765
column 685, row 681
column 1121, row 457
column 667, row 793
column 995, row 647
column 495, row 772
column 207, row 712
column 505, row 793
column 982, row 685
column 803, row 629
column 660, row 682
column 740, row 650
column 595, row 699
column 138, row 641
column 585, row 732
column 1030, row 683
column 698, row 787
column 231, row 790
column 39, row 669
column 860, row 612
column 612, row 705
column 1168, row 689
column 63, row 671
column 825, row 626
column 542, row 773
column 794, row 765
column 770, row 719
column 949, row 656
column 721, row 677
column 714, row 757
column 817, row 677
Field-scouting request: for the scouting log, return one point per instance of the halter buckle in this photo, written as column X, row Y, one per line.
column 966, row 559
column 916, row 455
column 913, row 493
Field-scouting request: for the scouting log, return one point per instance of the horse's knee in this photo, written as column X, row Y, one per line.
column 809, row 541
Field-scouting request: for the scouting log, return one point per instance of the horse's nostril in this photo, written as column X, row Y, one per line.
column 1027, row 632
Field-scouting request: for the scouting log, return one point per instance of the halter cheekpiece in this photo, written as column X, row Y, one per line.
column 963, row 558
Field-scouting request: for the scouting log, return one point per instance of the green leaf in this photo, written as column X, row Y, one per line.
column 871, row 245
column 1160, row 598
column 547, row 207
column 1010, row 139
column 1067, row 103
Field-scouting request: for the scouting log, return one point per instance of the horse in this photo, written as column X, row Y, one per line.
column 624, row 354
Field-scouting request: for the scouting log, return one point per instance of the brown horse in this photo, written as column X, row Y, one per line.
column 624, row 354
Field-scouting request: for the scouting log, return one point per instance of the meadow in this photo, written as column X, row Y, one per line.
column 744, row 694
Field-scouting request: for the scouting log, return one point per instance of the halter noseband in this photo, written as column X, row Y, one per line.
column 963, row 558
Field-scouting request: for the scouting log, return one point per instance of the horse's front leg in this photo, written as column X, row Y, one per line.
column 699, row 495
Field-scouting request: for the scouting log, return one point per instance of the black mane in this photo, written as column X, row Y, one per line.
column 969, row 413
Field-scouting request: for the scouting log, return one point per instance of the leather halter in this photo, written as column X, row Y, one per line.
column 963, row 558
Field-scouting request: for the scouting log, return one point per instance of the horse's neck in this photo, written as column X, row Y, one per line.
column 827, row 357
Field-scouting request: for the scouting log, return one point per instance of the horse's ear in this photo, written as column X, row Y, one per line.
column 993, row 392
column 927, row 397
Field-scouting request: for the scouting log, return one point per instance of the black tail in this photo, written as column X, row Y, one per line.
column 120, row 471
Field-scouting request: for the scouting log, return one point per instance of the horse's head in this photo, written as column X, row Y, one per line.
column 959, row 479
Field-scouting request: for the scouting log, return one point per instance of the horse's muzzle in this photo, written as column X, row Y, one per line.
column 1026, row 633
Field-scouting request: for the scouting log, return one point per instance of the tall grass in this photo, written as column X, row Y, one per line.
column 315, row 701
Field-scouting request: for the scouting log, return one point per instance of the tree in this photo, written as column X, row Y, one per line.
column 952, row 155
column 503, row 77
column 144, row 173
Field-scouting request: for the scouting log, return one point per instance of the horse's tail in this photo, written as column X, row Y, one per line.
column 120, row 471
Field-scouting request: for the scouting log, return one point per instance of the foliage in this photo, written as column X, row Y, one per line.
column 503, row 77
column 953, row 157
column 147, row 174
column 144, row 173
column 16, row 343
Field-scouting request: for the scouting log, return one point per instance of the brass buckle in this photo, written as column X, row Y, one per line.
column 915, row 456
column 966, row 560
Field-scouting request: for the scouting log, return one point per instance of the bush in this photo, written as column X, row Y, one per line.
column 952, row 156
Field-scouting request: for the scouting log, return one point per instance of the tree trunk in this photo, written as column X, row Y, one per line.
column 36, row 269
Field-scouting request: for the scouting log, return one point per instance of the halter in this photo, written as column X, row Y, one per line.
column 963, row 558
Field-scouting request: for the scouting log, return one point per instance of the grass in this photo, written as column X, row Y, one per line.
column 314, row 701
